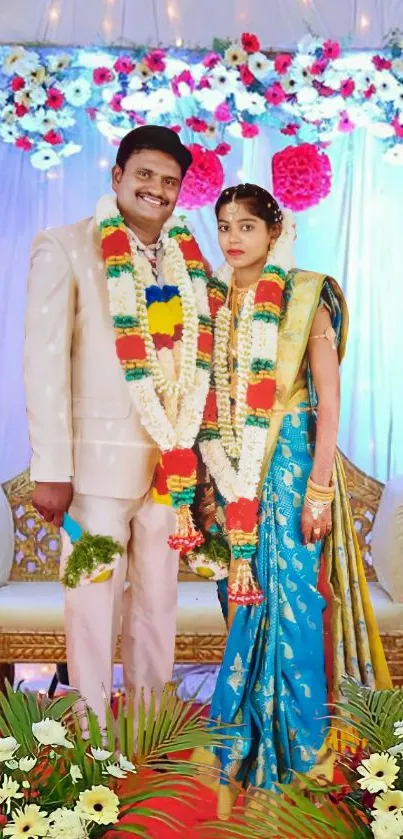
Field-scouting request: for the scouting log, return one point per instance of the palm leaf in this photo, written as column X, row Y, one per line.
column 371, row 713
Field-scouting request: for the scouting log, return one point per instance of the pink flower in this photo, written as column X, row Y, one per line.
column 116, row 102
column 246, row 76
column 223, row 149
column 203, row 181
column 291, row 129
column 204, row 83
column 92, row 112
column 23, row 143
column 347, row 88
column 275, row 94
column 55, row 99
column 369, row 92
column 345, row 125
column 21, row 110
column 184, row 78
column 198, row 125
column 381, row 63
column 53, row 137
column 155, row 61
column 176, row 128
column 250, row 43
column 398, row 126
column 124, row 65
column 249, row 130
column 301, row 176
column 223, row 113
column 282, row 63
column 102, row 75
column 318, row 67
column 17, row 83
column 331, row 49
column 211, row 60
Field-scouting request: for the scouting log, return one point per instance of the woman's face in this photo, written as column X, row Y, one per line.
column 244, row 239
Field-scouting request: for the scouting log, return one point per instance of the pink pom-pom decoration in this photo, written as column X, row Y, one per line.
column 203, row 181
column 302, row 176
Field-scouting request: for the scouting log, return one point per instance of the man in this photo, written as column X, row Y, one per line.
column 95, row 445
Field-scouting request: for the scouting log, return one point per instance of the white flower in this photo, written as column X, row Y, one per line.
column 98, row 804
column 75, row 773
column 395, row 155
column 9, row 133
column 386, row 86
column 126, row 764
column 31, row 121
column 37, row 95
column 57, row 62
column 379, row 773
column 8, row 114
column 223, row 79
column 26, row 785
column 235, row 56
column 398, row 730
column 387, row 825
column 69, row 149
column 100, row 754
column 77, row 92
column 389, row 802
column 45, row 159
column 29, row 62
column 307, row 96
column 66, row 824
column 380, row 129
column 27, row 763
column 65, row 118
column 254, row 103
column 51, row 733
column 137, row 101
column 30, row 822
column 8, row 791
column 114, row 770
column 8, row 746
column 11, row 62
column 259, row 65
column 209, row 99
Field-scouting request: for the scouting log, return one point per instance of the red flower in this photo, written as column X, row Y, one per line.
column 242, row 514
column 318, row 67
column 368, row 800
column 331, row 49
column 53, row 137
column 249, row 130
column 102, row 75
column 21, row 110
column 275, row 94
column 155, row 61
column 115, row 244
column 210, row 408
column 205, row 343
column 250, row 43
column 199, row 126
column 124, row 65
column 282, row 63
column 92, row 112
column 291, row 129
column 347, row 88
column 246, row 76
column 23, row 143
column 398, row 126
column 203, row 181
column 204, row 83
column 184, row 78
column 176, row 128
column 381, row 63
column 301, row 176
column 182, row 462
column 3, row 820
column 223, row 149
column 211, row 60
column 369, row 92
column 345, row 125
column 116, row 102
column 55, row 98
column 130, row 347
column 223, row 113
column 17, row 83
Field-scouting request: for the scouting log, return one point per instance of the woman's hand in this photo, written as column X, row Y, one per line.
column 315, row 530
column 207, row 508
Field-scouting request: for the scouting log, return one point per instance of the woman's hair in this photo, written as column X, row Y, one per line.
column 258, row 201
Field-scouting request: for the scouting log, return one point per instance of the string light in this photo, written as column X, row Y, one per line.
column 110, row 2
column 179, row 42
column 54, row 14
column 364, row 21
column 107, row 25
column 240, row 174
column 103, row 163
column 172, row 11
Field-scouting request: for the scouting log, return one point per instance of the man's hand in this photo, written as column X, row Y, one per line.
column 52, row 501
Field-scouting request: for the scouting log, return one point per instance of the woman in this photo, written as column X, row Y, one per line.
column 269, row 442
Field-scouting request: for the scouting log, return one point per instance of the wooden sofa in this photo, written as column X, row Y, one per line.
column 31, row 605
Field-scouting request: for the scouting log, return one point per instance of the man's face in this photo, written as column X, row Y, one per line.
column 148, row 188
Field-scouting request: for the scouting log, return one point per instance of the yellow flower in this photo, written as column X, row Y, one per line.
column 235, row 56
column 29, row 822
column 11, row 60
column 37, row 76
column 379, row 773
column 389, row 801
column 142, row 70
column 98, row 804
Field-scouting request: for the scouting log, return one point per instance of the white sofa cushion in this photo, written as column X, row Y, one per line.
column 389, row 615
column 387, row 540
column 6, row 538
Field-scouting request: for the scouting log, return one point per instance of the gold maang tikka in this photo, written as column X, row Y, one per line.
column 233, row 207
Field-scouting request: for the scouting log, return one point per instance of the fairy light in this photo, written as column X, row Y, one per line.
column 364, row 21
column 172, row 12
column 179, row 42
column 54, row 14
column 107, row 26
column 240, row 174
column 103, row 163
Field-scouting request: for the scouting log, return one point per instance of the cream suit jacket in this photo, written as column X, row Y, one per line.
column 82, row 423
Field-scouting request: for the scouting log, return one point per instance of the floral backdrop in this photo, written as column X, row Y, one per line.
column 311, row 96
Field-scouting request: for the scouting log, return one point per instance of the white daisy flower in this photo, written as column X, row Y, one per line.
column 66, row 824
column 65, row 118
column 223, row 79
column 254, row 103
column 387, row 87
column 389, row 801
column 8, row 115
column 98, row 804
column 379, row 773
column 9, row 133
column 77, row 92
column 259, row 65
column 387, row 825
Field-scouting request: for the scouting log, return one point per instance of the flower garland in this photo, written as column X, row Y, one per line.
column 224, row 443
column 127, row 277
